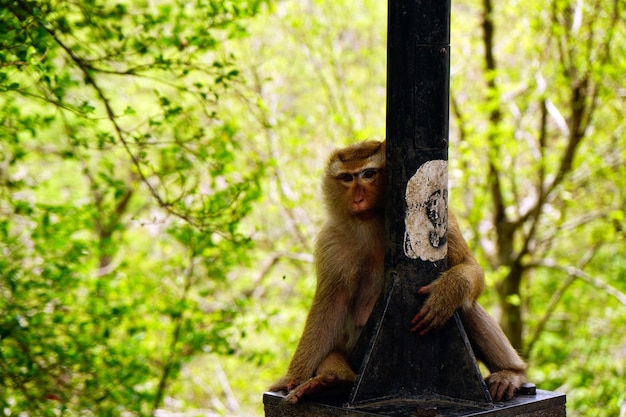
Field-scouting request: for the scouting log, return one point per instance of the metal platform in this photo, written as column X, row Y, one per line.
column 542, row 404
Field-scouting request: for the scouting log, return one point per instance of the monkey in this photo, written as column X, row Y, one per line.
column 349, row 260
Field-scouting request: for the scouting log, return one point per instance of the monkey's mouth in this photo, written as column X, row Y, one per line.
column 366, row 214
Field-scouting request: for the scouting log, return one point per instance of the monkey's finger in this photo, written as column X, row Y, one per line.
column 500, row 391
column 421, row 324
column 429, row 323
column 418, row 317
column 416, row 328
column 293, row 397
column 426, row 314
column 298, row 393
column 493, row 390
column 509, row 391
column 427, row 330
column 418, row 322
column 425, row 289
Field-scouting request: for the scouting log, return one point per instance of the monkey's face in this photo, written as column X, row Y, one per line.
column 354, row 184
column 364, row 191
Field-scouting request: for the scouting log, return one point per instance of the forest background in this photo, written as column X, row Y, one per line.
column 159, row 182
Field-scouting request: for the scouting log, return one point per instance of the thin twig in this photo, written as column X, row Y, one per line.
column 580, row 274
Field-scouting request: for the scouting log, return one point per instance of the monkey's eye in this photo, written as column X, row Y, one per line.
column 345, row 177
column 368, row 173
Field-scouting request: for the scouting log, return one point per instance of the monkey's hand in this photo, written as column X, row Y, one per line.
column 438, row 308
column 502, row 384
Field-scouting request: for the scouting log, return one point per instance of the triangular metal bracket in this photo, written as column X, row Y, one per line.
column 395, row 363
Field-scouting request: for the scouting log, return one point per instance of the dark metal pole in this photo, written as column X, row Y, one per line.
column 400, row 373
column 394, row 362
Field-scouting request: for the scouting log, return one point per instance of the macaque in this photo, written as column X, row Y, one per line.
column 349, row 258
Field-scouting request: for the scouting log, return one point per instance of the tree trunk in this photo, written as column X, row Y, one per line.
column 510, row 302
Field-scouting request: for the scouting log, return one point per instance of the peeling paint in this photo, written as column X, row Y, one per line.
column 426, row 217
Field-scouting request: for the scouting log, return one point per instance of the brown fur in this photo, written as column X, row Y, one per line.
column 349, row 258
column 508, row 370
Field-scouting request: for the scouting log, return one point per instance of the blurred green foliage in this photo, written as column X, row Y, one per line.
column 122, row 190
column 159, row 170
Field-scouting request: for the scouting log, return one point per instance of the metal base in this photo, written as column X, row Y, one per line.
column 542, row 404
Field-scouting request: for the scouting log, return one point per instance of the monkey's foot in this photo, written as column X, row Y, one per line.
column 321, row 385
column 285, row 384
column 502, row 384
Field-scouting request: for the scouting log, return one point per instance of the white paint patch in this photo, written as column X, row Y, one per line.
column 426, row 217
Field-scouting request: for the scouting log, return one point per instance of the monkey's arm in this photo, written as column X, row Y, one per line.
column 321, row 334
column 508, row 370
column 457, row 287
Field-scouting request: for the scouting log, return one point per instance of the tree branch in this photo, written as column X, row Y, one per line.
column 87, row 70
column 582, row 275
column 574, row 273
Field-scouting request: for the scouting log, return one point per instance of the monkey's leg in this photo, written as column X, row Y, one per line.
column 334, row 376
column 508, row 370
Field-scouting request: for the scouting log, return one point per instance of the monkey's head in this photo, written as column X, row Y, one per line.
column 354, row 183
